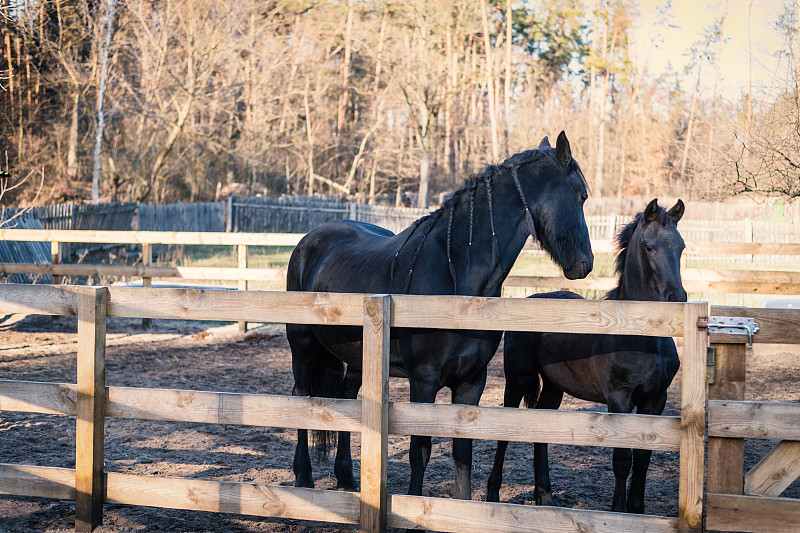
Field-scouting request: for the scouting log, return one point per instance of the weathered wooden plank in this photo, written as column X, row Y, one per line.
column 375, row 414
column 539, row 314
column 775, row 472
column 757, row 514
column 693, row 416
column 766, row 282
column 754, row 248
column 38, row 299
column 775, row 325
column 754, row 420
column 232, row 408
column 90, row 409
column 38, row 397
column 463, row 516
column 37, row 481
column 152, row 237
column 726, row 456
column 148, row 272
column 252, row 306
column 536, row 425
column 228, row 497
column 560, row 282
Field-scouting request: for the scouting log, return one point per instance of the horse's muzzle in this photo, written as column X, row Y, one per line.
column 673, row 294
column 580, row 269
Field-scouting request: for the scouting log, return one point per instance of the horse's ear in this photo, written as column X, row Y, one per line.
column 676, row 211
column 651, row 211
column 545, row 143
column 563, row 153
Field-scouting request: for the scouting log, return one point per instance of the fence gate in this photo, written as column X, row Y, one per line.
column 750, row 501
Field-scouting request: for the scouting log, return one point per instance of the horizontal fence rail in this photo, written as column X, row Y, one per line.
column 695, row 280
column 373, row 508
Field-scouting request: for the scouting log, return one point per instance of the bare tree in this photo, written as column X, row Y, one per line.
column 101, row 90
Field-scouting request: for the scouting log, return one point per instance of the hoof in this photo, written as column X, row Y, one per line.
column 544, row 498
column 493, row 496
column 304, row 483
column 349, row 486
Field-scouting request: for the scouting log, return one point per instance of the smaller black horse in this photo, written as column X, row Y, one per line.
column 621, row 371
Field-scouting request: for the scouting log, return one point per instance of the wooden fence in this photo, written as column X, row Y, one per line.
column 739, row 500
column 695, row 280
column 90, row 401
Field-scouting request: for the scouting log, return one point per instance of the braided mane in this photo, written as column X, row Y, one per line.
column 486, row 177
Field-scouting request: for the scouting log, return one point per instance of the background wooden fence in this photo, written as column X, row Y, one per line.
column 696, row 280
column 91, row 401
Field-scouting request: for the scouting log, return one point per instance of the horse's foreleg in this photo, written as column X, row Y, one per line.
column 343, row 465
column 622, row 457
column 467, row 394
column 641, row 462
column 641, row 459
column 512, row 395
column 419, row 453
column 550, row 398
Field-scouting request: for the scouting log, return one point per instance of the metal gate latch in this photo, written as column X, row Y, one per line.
column 733, row 325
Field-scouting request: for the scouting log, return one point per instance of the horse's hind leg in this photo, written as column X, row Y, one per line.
column 641, row 459
column 514, row 391
column 311, row 362
column 343, row 465
column 550, row 398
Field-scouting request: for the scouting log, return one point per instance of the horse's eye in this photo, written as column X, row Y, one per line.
column 584, row 197
column 648, row 248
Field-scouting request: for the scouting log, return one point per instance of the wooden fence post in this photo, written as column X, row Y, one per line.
column 242, row 250
column 693, row 417
column 375, row 414
column 56, row 256
column 726, row 456
column 90, row 409
column 147, row 261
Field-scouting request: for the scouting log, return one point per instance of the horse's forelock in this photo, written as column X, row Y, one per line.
column 623, row 238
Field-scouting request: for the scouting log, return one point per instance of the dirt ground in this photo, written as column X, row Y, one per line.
column 214, row 356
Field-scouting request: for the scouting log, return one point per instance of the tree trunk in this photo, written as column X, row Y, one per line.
column 424, row 174
column 344, row 74
column 716, row 80
column 490, row 94
column 601, row 141
column 690, row 126
column 72, row 143
column 310, row 137
column 101, row 89
column 507, row 87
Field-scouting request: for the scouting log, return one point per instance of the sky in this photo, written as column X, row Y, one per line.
column 656, row 46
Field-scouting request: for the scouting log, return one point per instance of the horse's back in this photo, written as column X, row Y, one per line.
column 339, row 256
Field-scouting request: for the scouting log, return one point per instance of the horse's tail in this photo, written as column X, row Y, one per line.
column 327, row 382
column 534, row 386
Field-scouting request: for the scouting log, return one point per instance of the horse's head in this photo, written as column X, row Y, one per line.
column 556, row 190
column 649, row 261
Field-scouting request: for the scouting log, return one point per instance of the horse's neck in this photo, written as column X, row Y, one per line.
column 631, row 284
column 486, row 276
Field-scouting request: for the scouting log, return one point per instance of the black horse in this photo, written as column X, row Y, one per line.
column 621, row 371
column 465, row 247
